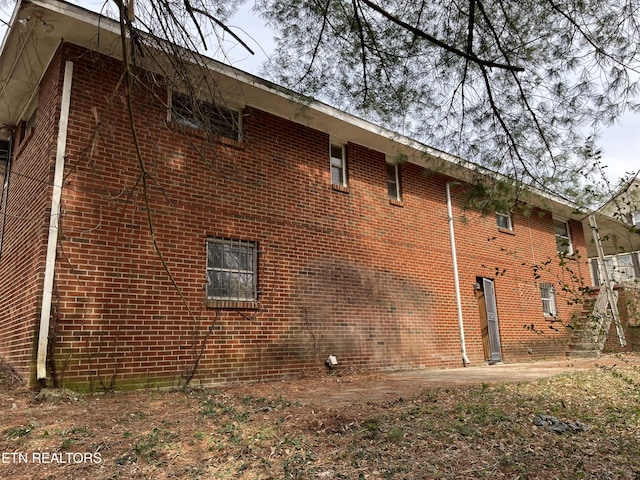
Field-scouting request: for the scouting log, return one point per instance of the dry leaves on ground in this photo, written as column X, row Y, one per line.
column 251, row 432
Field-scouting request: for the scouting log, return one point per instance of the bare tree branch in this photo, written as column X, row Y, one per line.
column 220, row 24
column 128, row 82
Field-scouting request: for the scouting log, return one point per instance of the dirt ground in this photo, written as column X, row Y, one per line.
column 474, row 422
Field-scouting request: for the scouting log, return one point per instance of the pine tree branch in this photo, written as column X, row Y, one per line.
column 422, row 34
column 316, row 49
column 470, row 26
column 523, row 96
column 362, row 49
column 588, row 38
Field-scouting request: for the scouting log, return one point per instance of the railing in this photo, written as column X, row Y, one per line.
column 622, row 273
column 600, row 318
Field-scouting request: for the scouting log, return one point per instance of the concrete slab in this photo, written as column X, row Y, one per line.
column 353, row 389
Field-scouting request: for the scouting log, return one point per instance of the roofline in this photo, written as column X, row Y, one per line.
column 460, row 168
column 624, row 188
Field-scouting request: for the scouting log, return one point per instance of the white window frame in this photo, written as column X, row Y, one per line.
column 506, row 218
column 635, row 218
column 226, row 264
column 566, row 238
column 230, row 127
column 548, row 295
column 338, row 164
column 394, row 190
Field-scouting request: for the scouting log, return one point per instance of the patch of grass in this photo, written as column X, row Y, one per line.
column 265, row 433
column 151, row 446
column 395, row 434
column 139, row 415
column 371, row 425
column 212, row 408
column 66, row 444
column 18, row 432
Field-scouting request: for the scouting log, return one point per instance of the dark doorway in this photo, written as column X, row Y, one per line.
column 489, row 320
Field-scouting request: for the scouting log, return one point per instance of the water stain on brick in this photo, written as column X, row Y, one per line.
column 346, row 305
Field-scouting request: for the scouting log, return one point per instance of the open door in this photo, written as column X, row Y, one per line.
column 489, row 320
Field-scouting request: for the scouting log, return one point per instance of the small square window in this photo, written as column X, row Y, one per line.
column 338, row 165
column 503, row 220
column 393, row 182
column 635, row 218
column 211, row 118
column 232, row 270
column 548, row 299
column 563, row 237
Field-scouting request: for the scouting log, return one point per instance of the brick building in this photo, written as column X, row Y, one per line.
column 274, row 235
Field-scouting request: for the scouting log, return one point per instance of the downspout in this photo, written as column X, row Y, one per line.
column 52, row 243
column 456, row 280
column 5, row 190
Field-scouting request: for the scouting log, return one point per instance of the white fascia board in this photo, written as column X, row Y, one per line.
column 77, row 13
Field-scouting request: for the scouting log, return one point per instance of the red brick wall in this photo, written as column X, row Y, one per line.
column 27, row 221
column 346, row 274
column 519, row 261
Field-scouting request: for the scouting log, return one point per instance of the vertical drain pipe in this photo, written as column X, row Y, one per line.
column 5, row 190
column 456, row 280
column 52, row 243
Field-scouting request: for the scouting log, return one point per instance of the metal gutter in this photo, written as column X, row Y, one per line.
column 5, row 191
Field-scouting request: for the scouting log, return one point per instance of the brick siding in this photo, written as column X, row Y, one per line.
column 25, row 237
column 342, row 273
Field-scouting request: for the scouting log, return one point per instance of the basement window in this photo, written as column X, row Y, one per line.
column 208, row 117
column 232, row 270
column 548, row 299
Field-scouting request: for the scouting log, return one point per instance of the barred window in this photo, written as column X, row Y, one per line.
column 211, row 118
column 548, row 299
column 232, row 270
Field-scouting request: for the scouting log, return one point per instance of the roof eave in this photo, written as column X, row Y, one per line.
column 54, row 21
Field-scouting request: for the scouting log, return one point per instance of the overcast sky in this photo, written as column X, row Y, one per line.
column 620, row 143
column 621, row 146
